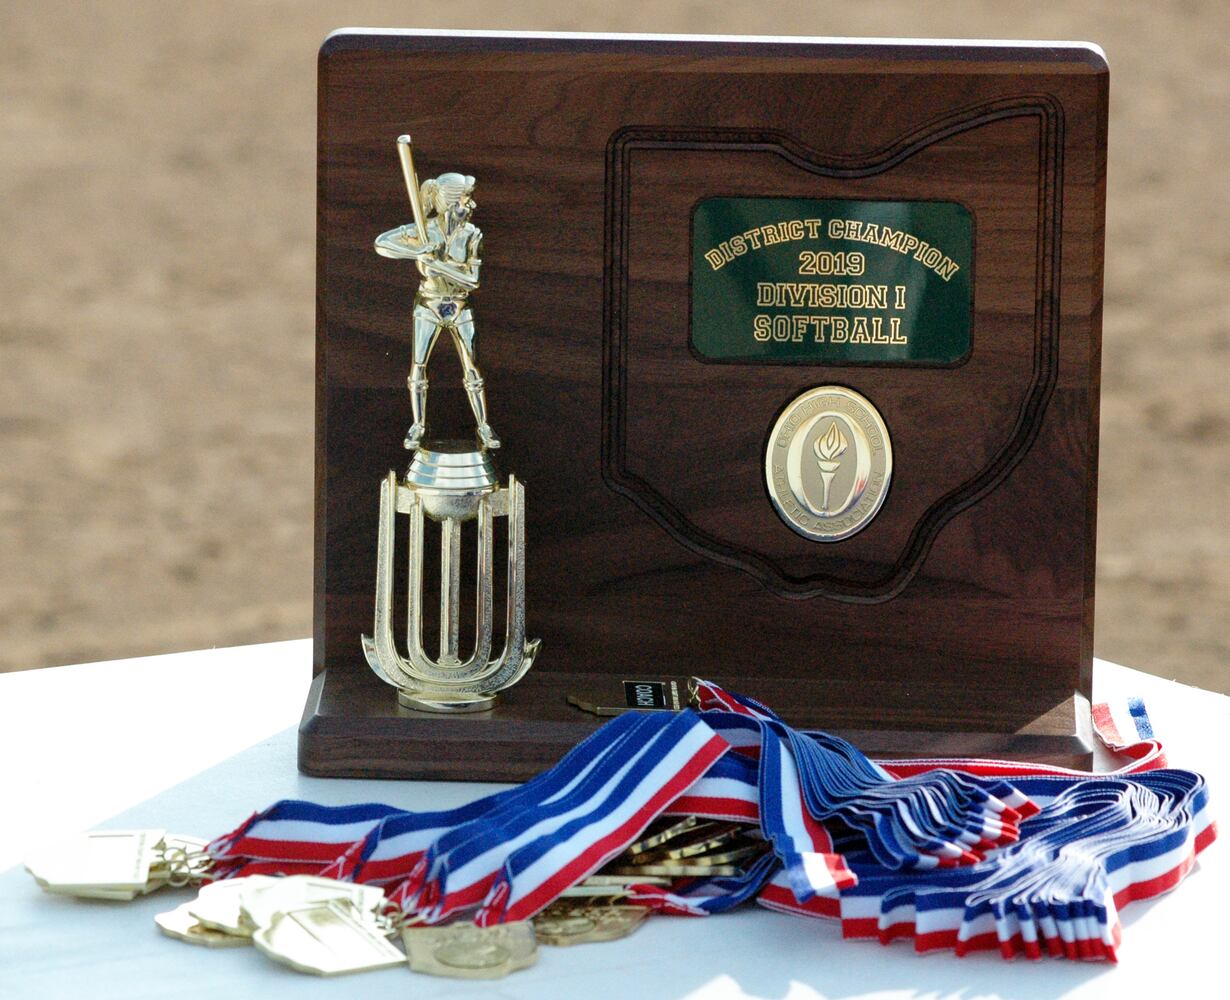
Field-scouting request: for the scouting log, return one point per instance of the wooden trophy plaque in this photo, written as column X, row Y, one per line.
column 722, row 281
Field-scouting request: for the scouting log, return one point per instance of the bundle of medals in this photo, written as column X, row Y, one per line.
column 687, row 813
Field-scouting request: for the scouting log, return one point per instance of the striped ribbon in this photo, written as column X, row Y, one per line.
column 951, row 853
column 1098, row 843
column 934, row 818
column 507, row 854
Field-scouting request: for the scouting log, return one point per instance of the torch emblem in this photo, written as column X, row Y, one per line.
column 828, row 463
column 829, row 448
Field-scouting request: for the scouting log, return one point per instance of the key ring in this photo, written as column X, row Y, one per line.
column 185, row 867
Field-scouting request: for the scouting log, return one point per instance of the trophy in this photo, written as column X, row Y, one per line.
column 812, row 330
column 450, row 482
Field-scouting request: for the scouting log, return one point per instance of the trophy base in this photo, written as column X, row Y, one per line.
column 354, row 727
column 426, row 704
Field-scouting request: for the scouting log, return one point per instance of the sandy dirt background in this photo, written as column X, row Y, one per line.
column 156, row 308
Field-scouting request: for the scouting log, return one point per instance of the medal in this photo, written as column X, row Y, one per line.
column 609, row 879
column 118, row 864
column 701, row 840
column 678, row 869
column 562, row 925
column 327, row 939
column 664, row 834
column 464, row 951
column 180, row 924
column 259, row 902
column 216, row 906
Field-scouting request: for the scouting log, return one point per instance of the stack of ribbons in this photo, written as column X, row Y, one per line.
column 960, row 853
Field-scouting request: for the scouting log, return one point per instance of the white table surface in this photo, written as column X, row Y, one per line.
column 195, row 742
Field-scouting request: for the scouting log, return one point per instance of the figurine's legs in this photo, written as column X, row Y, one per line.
column 463, row 337
column 426, row 330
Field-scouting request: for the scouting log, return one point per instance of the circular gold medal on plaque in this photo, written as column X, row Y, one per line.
column 828, row 463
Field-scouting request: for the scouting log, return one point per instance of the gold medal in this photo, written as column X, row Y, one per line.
column 606, row 879
column 464, row 951
column 661, row 836
column 119, row 864
column 566, row 926
column 699, row 841
column 730, row 857
column 101, row 864
column 328, row 939
column 180, row 924
column 677, row 869
column 599, row 891
column 216, row 906
column 259, row 903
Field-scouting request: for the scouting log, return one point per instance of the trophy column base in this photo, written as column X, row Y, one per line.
column 424, row 703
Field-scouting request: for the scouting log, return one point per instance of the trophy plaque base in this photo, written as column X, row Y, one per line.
column 724, row 281
column 352, row 727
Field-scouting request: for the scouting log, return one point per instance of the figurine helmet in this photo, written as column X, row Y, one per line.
column 446, row 190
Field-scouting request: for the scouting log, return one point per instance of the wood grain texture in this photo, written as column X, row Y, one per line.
column 964, row 610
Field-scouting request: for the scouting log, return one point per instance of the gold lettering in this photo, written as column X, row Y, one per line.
column 858, row 333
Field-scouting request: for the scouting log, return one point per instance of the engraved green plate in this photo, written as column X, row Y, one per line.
column 806, row 281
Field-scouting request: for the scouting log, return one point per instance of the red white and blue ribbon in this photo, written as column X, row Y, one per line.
column 947, row 852
column 1100, row 842
column 936, row 818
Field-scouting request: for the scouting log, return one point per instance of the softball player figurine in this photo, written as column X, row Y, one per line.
column 445, row 246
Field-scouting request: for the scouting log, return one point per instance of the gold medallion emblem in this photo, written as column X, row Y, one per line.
column 828, row 463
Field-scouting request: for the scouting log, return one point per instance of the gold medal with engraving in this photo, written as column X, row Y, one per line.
column 828, row 463
column 464, row 951
column 563, row 926
column 567, row 926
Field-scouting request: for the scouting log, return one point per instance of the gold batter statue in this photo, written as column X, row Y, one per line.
column 445, row 245
column 452, row 483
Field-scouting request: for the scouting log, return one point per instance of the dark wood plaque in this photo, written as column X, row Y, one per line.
column 959, row 620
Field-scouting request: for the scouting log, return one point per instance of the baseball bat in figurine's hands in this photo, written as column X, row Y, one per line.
column 405, row 151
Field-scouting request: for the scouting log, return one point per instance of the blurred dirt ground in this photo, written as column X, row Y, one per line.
column 156, row 308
